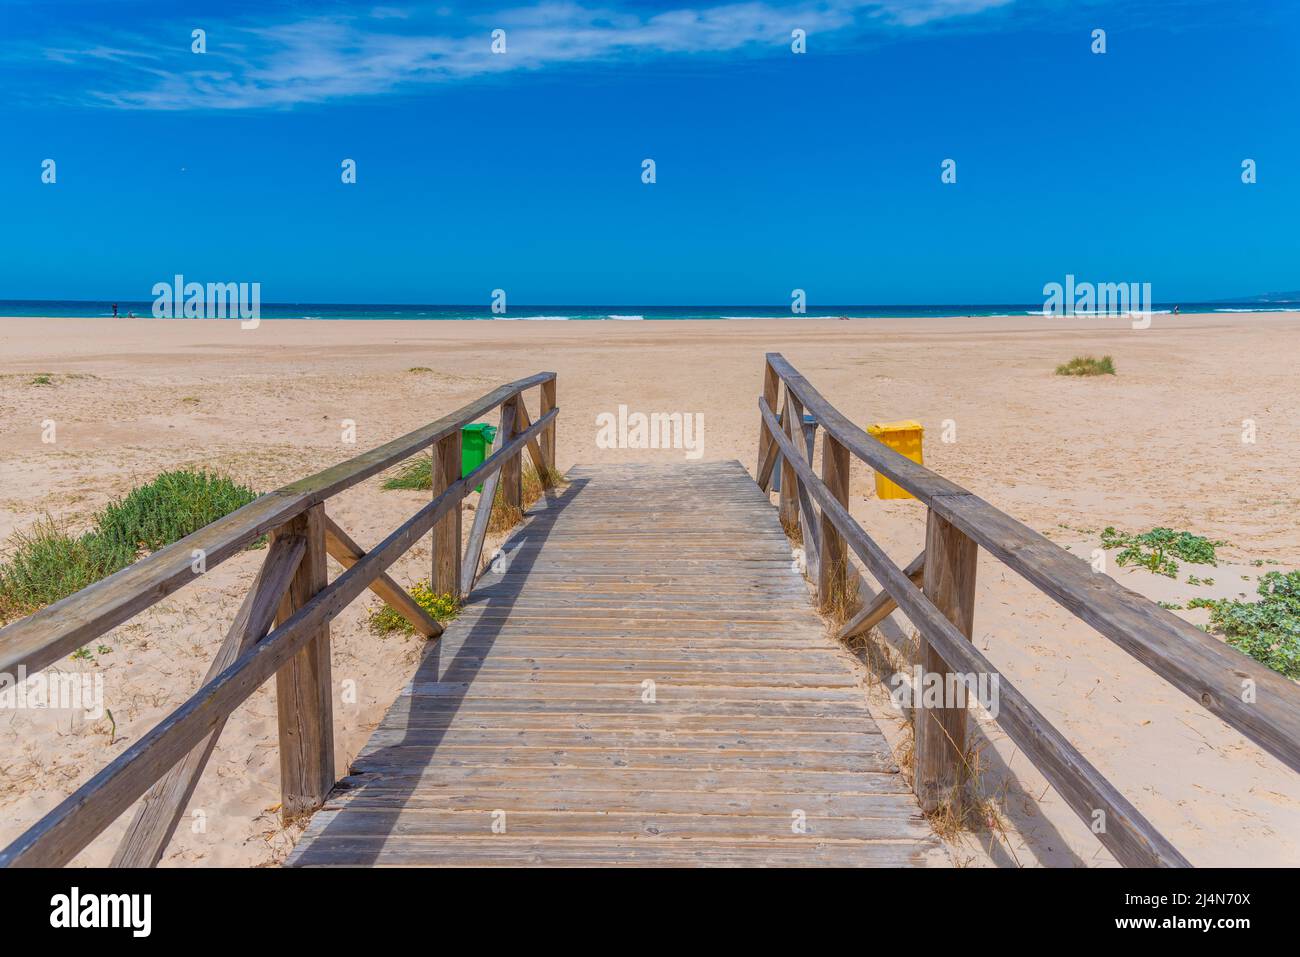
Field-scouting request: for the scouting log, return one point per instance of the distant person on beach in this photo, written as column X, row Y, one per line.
column 114, row 310
column 130, row 315
column 1175, row 310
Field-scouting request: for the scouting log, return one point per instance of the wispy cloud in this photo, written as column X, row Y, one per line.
column 269, row 65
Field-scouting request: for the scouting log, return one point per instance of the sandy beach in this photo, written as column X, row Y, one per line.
column 1158, row 444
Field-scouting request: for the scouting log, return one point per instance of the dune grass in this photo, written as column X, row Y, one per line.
column 1087, row 365
column 48, row 563
column 415, row 474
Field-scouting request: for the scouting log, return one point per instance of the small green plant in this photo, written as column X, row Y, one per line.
column 385, row 621
column 416, row 474
column 419, row 369
column 43, row 378
column 82, row 654
column 1171, row 605
column 1268, row 630
column 1087, row 365
column 1194, row 580
column 1153, row 550
column 48, row 563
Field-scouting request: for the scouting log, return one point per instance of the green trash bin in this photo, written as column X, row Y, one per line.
column 475, row 441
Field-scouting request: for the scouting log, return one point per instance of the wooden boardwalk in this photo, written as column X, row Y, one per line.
column 531, row 732
column 642, row 682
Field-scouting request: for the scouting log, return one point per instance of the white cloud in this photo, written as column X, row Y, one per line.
column 324, row 57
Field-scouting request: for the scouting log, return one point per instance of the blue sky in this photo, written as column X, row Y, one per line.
column 774, row 170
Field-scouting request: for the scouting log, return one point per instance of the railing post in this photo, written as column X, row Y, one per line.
column 303, row 691
column 771, row 392
column 445, row 470
column 548, row 434
column 832, row 566
column 949, row 582
column 512, row 495
column 789, row 497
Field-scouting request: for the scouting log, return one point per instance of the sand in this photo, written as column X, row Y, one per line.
column 1158, row 444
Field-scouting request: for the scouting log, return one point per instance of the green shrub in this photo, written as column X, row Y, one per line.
column 385, row 621
column 1087, row 365
column 1152, row 549
column 1267, row 630
column 49, row 564
column 173, row 505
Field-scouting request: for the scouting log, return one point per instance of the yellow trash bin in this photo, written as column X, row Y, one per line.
column 905, row 438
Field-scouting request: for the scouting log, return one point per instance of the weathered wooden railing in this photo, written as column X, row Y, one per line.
column 1252, row 699
column 294, row 601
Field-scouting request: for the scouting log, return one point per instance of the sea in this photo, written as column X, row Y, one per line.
column 62, row 308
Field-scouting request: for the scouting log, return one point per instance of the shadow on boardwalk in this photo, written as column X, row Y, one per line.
column 476, row 641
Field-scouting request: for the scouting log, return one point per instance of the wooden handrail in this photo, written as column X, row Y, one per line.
column 178, row 747
column 1128, row 835
column 1206, row 670
column 57, row 630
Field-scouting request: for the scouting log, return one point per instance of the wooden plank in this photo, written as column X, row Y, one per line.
column 534, row 449
column 445, row 470
column 404, row 715
column 880, row 606
column 161, row 808
column 766, row 447
column 808, row 520
column 940, row 733
column 304, row 693
column 418, row 776
column 491, row 851
column 547, row 438
column 408, row 823
column 511, row 471
column 482, row 518
column 787, row 500
column 896, row 809
column 668, row 708
column 658, row 760
column 833, row 564
column 347, row 553
column 646, row 739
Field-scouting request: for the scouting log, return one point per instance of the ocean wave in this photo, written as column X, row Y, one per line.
column 1262, row 309
column 625, row 318
column 1099, row 315
column 533, row 318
